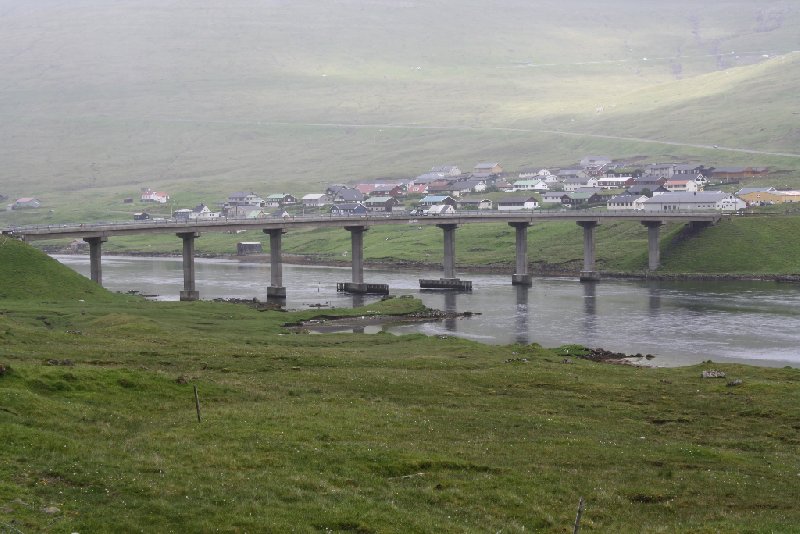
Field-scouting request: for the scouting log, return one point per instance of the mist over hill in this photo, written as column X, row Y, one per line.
column 103, row 97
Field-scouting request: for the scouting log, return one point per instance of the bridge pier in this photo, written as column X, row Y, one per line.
column 95, row 258
column 588, row 274
column 189, row 292
column 357, row 285
column 276, row 289
column 449, row 281
column 653, row 250
column 521, row 276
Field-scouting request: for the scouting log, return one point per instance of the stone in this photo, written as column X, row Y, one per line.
column 51, row 510
column 713, row 373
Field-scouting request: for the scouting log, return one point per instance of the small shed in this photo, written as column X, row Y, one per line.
column 243, row 248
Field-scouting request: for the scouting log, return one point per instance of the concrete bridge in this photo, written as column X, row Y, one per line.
column 95, row 234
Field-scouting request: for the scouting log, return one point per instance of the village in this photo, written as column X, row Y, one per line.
column 597, row 182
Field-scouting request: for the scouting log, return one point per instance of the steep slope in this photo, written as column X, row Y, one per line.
column 27, row 273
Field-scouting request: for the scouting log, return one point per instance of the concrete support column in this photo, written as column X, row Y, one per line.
column 588, row 274
column 357, row 253
column 95, row 258
column 276, row 289
column 653, row 250
column 189, row 292
column 449, row 249
column 521, row 276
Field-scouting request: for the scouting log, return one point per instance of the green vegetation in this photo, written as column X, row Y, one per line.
column 355, row 433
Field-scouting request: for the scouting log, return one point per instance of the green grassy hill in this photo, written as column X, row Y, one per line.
column 27, row 273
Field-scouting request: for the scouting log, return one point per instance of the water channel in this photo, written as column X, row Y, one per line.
column 681, row 323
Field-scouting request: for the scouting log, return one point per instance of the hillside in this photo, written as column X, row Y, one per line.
column 102, row 98
column 29, row 274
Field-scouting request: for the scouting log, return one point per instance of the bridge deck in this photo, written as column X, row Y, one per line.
column 56, row 231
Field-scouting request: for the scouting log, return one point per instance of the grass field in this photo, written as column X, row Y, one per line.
column 355, row 433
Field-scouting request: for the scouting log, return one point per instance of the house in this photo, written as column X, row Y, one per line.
column 432, row 200
column 552, row 197
column 148, row 195
column 315, row 199
column 531, row 185
column 758, row 195
column 381, row 203
column 428, row 177
column 660, row 170
column 348, row 196
column 681, row 186
column 640, row 189
column 142, row 216
column 580, row 198
column 487, row 168
column 767, row 195
column 442, row 187
column 472, row 204
column 440, row 209
column 389, row 190
column 625, row 201
column 241, row 198
column 348, row 208
column 734, row 174
column 690, row 168
column 182, row 214
column 695, row 201
column 614, row 182
column 517, row 203
column 574, row 183
column 275, row 200
column 447, row 170
column 473, row 185
column 203, row 213
column 417, row 189
column 26, row 203
column 243, row 248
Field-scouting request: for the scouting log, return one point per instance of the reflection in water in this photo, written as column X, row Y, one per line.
column 450, row 300
column 654, row 299
column 358, row 300
column 521, row 334
column 589, row 307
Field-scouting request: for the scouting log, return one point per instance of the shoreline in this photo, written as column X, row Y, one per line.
column 549, row 271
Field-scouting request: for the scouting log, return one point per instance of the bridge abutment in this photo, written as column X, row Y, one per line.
column 588, row 274
column 95, row 258
column 521, row 276
column 189, row 292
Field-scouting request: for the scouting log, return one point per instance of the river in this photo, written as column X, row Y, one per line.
column 680, row 323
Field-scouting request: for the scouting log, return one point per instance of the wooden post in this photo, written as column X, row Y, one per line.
column 197, row 403
column 578, row 517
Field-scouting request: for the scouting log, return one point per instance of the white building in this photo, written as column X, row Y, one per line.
column 699, row 201
column 530, row 185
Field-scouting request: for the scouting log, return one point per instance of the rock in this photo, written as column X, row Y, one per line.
column 4, row 369
column 734, row 383
column 566, row 360
column 52, row 361
column 181, row 380
column 713, row 373
column 51, row 510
